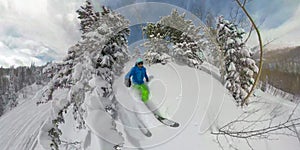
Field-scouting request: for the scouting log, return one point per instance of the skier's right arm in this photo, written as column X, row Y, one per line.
column 127, row 78
column 129, row 74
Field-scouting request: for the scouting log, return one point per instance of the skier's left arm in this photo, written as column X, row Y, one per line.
column 146, row 76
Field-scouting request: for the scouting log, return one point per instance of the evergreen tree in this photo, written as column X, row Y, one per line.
column 157, row 51
column 186, row 39
column 179, row 29
column 136, row 53
column 98, row 57
column 187, row 53
column 188, row 42
column 239, row 67
column 88, row 17
column 12, row 80
column 12, row 96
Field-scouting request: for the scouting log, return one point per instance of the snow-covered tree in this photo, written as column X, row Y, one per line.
column 174, row 30
column 136, row 53
column 178, row 29
column 87, row 17
column 239, row 67
column 87, row 74
column 51, row 69
column 187, row 52
column 157, row 51
column 189, row 42
column 12, row 80
column 12, row 89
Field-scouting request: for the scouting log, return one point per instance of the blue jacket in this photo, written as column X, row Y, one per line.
column 138, row 75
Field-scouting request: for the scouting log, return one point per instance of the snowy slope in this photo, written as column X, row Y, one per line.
column 194, row 98
column 185, row 95
column 199, row 103
column 19, row 128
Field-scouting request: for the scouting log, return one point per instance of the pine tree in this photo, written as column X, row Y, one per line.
column 88, row 17
column 179, row 29
column 136, row 53
column 12, row 89
column 12, row 80
column 99, row 56
column 157, row 51
column 187, row 53
column 188, row 43
column 239, row 67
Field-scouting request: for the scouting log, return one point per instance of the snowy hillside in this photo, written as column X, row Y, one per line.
column 20, row 126
column 194, row 98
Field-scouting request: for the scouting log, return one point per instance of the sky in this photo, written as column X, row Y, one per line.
column 38, row 31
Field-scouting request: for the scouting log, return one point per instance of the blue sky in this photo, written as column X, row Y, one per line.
column 42, row 30
column 276, row 12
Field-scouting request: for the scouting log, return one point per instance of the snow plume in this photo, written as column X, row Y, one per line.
column 87, row 75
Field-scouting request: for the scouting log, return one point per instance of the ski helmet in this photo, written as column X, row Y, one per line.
column 139, row 60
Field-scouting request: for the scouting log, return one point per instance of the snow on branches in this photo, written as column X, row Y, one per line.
column 240, row 68
column 174, row 37
column 89, row 67
column 87, row 17
column 158, row 51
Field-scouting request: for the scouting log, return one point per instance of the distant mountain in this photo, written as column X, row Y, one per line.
column 281, row 69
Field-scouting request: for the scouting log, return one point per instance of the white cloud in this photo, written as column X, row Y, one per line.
column 285, row 35
column 39, row 30
column 49, row 23
column 18, row 51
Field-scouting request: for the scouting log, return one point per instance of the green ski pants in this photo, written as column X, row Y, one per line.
column 143, row 90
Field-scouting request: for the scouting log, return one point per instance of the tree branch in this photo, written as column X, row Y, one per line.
column 245, row 101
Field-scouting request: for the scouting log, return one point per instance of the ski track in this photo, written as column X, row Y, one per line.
column 21, row 131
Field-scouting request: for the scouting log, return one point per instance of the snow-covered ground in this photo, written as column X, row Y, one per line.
column 19, row 127
column 193, row 98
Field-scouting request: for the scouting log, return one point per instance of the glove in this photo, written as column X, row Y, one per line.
column 147, row 79
column 127, row 82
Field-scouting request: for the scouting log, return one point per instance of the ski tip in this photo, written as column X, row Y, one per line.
column 149, row 134
column 176, row 125
column 145, row 131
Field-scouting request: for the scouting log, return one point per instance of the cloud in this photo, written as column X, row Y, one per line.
column 52, row 22
column 19, row 51
column 272, row 14
column 42, row 30
column 285, row 35
column 49, row 23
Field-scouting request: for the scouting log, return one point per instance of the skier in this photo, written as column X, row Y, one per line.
column 138, row 73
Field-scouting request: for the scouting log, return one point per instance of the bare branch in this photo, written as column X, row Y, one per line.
column 249, row 35
column 245, row 101
column 250, row 126
column 249, row 144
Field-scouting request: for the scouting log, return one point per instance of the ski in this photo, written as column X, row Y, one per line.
column 118, row 147
column 143, row 128
column 145, row 131
column 166, row 121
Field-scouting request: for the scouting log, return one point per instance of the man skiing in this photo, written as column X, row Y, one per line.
column 138, row 73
